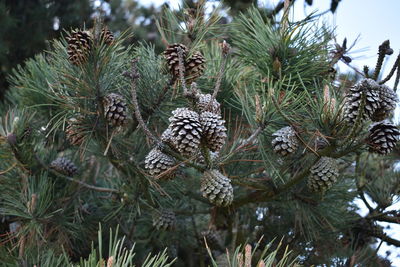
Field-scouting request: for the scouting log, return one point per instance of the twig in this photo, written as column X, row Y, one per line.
column 396, row 65
column 384, row 49
column 181, row 68
column 252, row 137
column 396, row 81
column 92, row 187
column 278, row 8
column 134, row 75
column 389, row 240
column 225, row 51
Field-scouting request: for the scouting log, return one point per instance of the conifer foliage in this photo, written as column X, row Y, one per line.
column 207, row 153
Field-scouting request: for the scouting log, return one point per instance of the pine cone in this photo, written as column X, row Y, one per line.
column 164, row 220
column 323, row 174
column 353, row 100
column 186, row 131
column 167, row 137
column 75, row 131
column 64, row 166
column 205, row 102
column 115, row 109
column 217, row 188
column 156, row 163
column 320, row 143
column 214, row 130
column 194, row 67
column 285, row 141
column 212, row 237
column 107, row 36
column 200, row 159
column 171, row 56
column 387, row 104
column 79, row 46
column 383, row 137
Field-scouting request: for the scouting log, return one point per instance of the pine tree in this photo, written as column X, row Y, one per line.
column 190, row 168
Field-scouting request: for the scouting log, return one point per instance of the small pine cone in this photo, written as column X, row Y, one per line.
column 167, row 137
column 194, row 67
column 383, row 137
column 212, row 238
column 285, row 141
column 171, row 56
column 213, row 155
column 217, row 188
column 354, row 97
column 115, row 109
column 214, row 130
column 75, row 131
column 320, row 143
column 64, row 166
column 157, row 163
column 79, row 46
column 323, row 174
column 164, row 220
column 107, row 36
column 387, row 104
column 205, row 102
column 186, row 131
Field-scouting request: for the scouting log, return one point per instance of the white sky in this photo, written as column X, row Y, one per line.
column 374, row 21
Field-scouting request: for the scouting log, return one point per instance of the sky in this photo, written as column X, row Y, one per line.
column 372, row 22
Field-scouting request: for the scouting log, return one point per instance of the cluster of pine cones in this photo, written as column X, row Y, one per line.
column 79, row 47
column 376, row 102
column 324, row 172
column 80, row 44
column 190, row 130
column 187, row 132
column 193, row 66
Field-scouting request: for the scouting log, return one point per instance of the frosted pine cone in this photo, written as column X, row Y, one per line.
column 115, row 109
column 194, row 67
column 64, row 166
column 79, row 46
column 205, row 102
column 186, row 131
column 167, row 137
column 164, row 220
column 387, row 104
column 157, row 164
column 383, row 137
column 171, row 56
column 353, row 100
column 213, row 156
column 214, row 130
column 285, row 141
column 324, row 174
column 217, row 188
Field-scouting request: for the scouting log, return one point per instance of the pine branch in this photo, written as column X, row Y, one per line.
column 91, row 187
column 134, row 75
column 396, row 65
column 382, row 236
column 385, row 218
column 259, row 196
